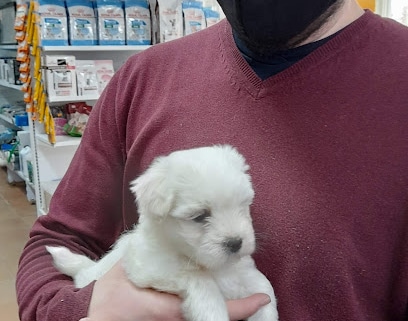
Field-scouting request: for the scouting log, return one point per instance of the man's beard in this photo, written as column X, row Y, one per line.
column 269, row 26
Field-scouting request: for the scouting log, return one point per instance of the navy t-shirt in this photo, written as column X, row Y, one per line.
column 267, row 66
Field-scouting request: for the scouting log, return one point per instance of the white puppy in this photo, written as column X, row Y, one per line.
column 194, row 237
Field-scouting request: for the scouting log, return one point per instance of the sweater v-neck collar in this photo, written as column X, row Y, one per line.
column 242, row 75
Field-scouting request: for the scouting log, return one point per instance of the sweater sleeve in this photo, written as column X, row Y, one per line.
column 85, row 215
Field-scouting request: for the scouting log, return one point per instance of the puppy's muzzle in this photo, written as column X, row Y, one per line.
column 233, row 244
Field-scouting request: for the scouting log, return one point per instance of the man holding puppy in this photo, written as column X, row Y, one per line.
column 314, row 95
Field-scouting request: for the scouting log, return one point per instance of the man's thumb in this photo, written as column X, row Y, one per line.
column 241, row 309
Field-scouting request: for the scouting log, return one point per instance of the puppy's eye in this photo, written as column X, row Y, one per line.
column 202, row 216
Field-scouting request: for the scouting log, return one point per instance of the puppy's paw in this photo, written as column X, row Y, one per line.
column 67, row 262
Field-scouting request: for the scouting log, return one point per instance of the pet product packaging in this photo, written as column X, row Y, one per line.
column 111, row 22
column 2, row 63
column 14, row 76
column 60, row 119
column 154, row 18
column 10, row 71
column 7, row 22
column 60, row 75
column 53, row 22
column 82, row 23
column 78, row 115
column 21, row 15
column 87, row 80
column 211, row 16
column 104, row 73
column 138, row 22
column 194, row 18
column 171, row 19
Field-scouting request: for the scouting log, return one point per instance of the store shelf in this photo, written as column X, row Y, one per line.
column 8, row 47
column 9, row 122
column 93, row 48
column 8, row 85
column 61, row 141
column 67, row 99
column 7, row 119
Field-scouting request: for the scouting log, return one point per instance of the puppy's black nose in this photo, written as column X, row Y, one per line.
column 233, row 244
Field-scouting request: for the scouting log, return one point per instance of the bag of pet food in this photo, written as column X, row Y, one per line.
column 82, row 23
column 111, row 22
column 171, row 19
column 154, row 18
column 211, row 16
column 194, row 18
column 53, row 22
column 138, row 22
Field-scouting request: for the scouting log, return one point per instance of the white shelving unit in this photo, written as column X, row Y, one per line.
column 8, row 122
column 8, row 85
column 52, row 160
column 8, row 47
column 93, row 48
column 14, row 175
column 71, row 99
column 62, row 141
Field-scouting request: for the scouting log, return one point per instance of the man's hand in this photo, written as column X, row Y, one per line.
column 115, row 298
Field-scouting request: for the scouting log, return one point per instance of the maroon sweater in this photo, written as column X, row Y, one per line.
column 327, row 142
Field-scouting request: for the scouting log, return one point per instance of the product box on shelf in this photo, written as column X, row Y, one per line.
column 60, row 75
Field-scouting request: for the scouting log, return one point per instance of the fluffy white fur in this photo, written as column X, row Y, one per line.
column 194, row 238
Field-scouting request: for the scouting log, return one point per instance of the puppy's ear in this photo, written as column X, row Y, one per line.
column 153, row 193
column 234, row 157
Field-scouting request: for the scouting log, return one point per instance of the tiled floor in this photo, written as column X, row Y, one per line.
column 16, row 217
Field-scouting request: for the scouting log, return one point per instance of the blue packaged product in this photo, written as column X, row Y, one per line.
column 53, row 23
column 194, row 19
column 82, row 23
column 138, row 22
column 211, row 16
column 111, row 22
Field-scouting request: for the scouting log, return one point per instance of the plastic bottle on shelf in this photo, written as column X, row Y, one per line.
column 25, row 154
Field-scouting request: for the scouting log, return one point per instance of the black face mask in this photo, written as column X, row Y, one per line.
column 268, row 26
